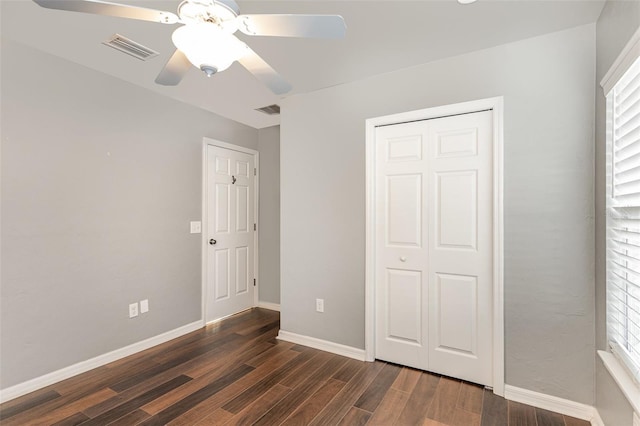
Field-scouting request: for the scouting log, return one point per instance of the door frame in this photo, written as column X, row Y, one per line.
column 206, row 142
column 495, row 104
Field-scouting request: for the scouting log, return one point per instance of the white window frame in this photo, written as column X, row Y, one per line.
column 615, row 359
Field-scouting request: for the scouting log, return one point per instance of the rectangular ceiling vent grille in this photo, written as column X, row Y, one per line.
column 130, row 47
column 270, row 110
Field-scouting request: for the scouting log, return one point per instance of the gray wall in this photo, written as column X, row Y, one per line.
column 547, row 84
column 617, row 23
column 100, row 179
column 269, row 232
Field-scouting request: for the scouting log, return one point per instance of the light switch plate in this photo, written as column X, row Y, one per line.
column 144, row 306
column 196, row 227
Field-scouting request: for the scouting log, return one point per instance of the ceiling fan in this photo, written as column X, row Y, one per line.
column 206, row 39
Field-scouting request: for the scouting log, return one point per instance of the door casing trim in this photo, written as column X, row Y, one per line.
column 497, row 105
column 256, row 157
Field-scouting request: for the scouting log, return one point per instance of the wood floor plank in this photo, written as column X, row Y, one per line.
column 390, row 408
column 94, row 380
column 465, row 418
column 521, row 414
column 340, row 405
column 165, row 401
column 303, row 371
column 470, row 398
column 74, row 419
column 572, row 421
column 185, row 404
column 415, row 410
column 310, row 408
column 431, row 422
column 355, row 417
column 494, row 409
column 73, row 408
column 445, row 400
column 260, row 406
column 210, row 405
column 133, row 418
column 261, row 357
column 253, row 392
column 26, row 403
column 301, row 393
column 372, row 396
column 218, row 418
column 212, row 350
column 135, row 403
column 407, row 379
column 131, row 393
column 350, row 369
column 224, row 362
column 548, row 418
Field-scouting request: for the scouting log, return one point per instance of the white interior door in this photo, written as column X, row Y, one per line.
column 230, row 228
column 434, row 248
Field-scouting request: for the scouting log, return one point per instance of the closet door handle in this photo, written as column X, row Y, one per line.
column 212, row 242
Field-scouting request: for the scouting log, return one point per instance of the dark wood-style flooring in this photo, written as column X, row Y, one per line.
column 236, row 373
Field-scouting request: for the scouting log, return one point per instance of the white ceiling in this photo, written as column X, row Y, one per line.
column 382, row 36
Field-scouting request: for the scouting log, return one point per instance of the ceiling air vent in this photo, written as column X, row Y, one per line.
column 270, row 110
column 130, row 47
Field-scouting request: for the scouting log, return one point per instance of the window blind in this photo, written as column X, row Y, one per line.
column 623, row 219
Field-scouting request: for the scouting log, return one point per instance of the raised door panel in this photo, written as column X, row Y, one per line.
column 457, row 209
column 456, row 320
column 242, row 270
column 404, row 307
column 404, row 217
column 221, row 275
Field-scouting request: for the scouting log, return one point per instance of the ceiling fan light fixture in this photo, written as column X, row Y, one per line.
column 208, row 47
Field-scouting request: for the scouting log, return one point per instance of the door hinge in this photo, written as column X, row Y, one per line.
column 255, row 227
column 254, row 282
column 255, row 171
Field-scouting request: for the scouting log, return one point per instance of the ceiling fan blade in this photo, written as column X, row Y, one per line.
column 174, row 70
column 98, row 7
column 264, row 73
column 312, row 26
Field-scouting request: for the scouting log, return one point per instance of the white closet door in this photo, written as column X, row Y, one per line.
column 434, row 250
column 401, row 249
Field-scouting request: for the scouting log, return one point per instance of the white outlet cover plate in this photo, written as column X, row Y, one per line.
column 144, row 306
column 133, row 310
column 196, row 227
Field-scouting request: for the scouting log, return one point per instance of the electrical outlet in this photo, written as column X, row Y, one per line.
column 133, row 310
column 144, row 306
column 319, row 305
column 196, row 227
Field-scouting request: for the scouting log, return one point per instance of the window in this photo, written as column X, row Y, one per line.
column 623, row 219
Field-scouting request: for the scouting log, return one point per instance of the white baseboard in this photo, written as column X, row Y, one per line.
column 596, row 420
column 551, row 403
column 81, row 367
column 269, row 305
column 323, row 345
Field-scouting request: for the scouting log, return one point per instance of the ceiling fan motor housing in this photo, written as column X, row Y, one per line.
column 209, row 70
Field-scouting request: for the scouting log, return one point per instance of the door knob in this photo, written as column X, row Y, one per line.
column 212, row 241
